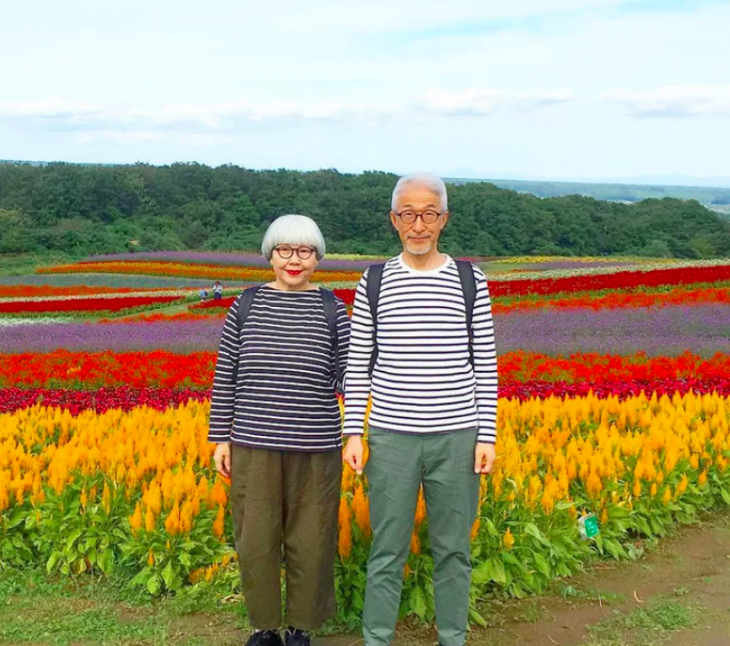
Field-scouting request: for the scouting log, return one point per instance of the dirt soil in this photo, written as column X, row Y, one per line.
column 693, row 566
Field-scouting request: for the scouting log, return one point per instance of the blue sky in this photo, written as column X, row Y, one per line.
column 634, row 90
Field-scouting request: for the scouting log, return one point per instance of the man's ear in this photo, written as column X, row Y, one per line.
column 445, row 217
column 393, row 219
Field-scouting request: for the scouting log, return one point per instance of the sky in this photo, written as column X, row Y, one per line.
column 581, row 90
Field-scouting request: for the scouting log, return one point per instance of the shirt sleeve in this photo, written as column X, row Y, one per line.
column 343, row 341
column 485, row 361
column 362, row 345
column 224, row 382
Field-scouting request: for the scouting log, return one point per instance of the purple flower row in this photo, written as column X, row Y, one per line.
column 227, row 259
column 701, row 329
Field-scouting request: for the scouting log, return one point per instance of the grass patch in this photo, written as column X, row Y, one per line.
column 573, row 593
column 89, row 611
column 647, row 626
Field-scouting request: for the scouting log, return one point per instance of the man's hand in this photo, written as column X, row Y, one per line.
column 222, row 457
column 484, row 457
column 353, row 453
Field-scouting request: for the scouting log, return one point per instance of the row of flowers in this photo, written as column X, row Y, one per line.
column 135, row 493
column 617, row 280
column 662, row 297
column 59, row 291
column 128, row 397
column 164, row 369
column 212, row 272
column 86, row 305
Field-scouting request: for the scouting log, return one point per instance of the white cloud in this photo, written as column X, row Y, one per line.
column 147, row 123
column 480, row 102
column 51, row 107
column 130, row 138
column 675, row 101
column 385, row 16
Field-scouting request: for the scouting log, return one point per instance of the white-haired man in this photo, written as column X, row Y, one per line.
column 422, row 344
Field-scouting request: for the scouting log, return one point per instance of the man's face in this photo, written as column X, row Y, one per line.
column 418, row 237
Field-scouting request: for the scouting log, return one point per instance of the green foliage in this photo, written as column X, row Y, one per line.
column 82, row 210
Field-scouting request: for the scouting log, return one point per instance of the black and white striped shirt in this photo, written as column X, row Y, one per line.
column 422, row 381
column 282, row 396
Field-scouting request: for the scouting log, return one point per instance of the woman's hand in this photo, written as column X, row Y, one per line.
column 353, row 453
column 222, row 457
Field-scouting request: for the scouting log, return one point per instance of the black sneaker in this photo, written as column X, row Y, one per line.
column 265, row 638
column 296, row 637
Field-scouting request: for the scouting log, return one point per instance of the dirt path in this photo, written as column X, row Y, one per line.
column 692, row 568
column 688, row 571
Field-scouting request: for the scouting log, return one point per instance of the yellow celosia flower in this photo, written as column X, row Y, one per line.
column 508, row 540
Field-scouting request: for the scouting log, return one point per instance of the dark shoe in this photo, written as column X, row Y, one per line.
column 265, row 638
column 296, row 637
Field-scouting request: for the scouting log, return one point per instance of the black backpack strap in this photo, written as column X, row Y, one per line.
column 469, row 287
column 244, row 304
column 244, row 307
column 330, row 313
column 375, row 277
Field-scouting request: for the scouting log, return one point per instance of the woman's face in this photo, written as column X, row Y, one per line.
column 292, row 271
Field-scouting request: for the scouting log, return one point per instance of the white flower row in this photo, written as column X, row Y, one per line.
column 12, row 321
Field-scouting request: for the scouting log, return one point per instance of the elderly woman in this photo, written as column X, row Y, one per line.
column 276, row 420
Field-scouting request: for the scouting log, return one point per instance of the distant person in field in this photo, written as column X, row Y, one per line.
column 276, row 419
column 217, row 291
column 203, row 293
column 423, row 346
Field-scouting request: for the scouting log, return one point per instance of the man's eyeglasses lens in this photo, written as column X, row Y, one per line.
column 409, row 217
column 288, row 252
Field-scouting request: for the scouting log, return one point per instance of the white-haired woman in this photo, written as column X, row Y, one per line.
column 276, row 420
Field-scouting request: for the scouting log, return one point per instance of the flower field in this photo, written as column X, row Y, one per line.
column 614, row 400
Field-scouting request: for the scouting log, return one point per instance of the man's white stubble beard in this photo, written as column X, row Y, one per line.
column 419, row 252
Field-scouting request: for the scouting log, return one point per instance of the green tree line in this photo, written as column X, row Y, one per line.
column 88, row 209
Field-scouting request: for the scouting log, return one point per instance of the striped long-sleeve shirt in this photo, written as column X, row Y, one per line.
column 422, row 381
column 274, row 384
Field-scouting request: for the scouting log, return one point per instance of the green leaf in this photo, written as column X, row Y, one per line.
column 532, row 530
column 725, row 496
column 419, row 602
column 154, row 584
column 142, row 577
column 541, row 564
column 476, row 618
column 499, row 574
column 168, row 575
column 72, row 538
column 106, row 561
column 53, row 560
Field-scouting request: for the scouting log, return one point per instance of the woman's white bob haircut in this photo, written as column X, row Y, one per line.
column 426, row 180
column 293, row 229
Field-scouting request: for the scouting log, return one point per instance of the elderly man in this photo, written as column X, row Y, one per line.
column 422, row 344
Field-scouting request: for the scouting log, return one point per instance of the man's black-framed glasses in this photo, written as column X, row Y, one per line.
column 408, row 216
column 286, row 252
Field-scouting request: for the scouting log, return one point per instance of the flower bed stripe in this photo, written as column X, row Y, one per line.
column 213, row 272
column 616, row 280
column 99, row 304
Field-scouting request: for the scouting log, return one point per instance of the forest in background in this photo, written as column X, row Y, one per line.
column 89, row 209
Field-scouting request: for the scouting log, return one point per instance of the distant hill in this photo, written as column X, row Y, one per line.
column 92, row 209
column 710, row 197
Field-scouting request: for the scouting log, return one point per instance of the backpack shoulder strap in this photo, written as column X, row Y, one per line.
column 469, row 287
column 244, row 304
column 375, row 278
column 330, row 314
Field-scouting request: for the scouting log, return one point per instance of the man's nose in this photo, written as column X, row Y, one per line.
column 419, row 225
